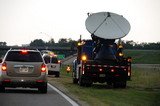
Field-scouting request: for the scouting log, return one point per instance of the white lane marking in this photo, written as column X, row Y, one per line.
column 63, row 95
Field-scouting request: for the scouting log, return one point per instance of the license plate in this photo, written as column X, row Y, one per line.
column 102, row 75
column 53, row 66
column 23, row 70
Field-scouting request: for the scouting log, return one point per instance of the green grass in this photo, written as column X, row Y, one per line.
column 148, row 78
column 144, row 89
column 144, row 56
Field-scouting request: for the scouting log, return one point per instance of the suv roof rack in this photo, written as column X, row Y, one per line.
column 29, row 48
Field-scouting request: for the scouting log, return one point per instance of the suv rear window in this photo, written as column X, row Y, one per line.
column 17, row 56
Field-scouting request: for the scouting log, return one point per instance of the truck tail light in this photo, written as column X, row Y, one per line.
column 43, row 68
column 59, row 61
column 82, row 69
column 4, row 66
column 100, row 69
column 129, row 71
column 83, row 72
column 129, row 59
column 112, row 70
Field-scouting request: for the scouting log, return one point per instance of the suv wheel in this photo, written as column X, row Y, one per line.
column 43, row 89
column 57, row 74
column 2, row 88
column 75, row 81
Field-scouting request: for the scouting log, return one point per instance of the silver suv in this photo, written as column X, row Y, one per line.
column 23, row 68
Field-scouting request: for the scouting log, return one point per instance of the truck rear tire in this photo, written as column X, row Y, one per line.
column 81, row 81
column 89, row 84
column 123, row 84
column 75, row 80
column 85, row 82
column 120, row 84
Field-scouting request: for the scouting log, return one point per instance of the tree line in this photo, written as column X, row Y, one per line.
column 143, row 46
column 68, row 42
column 63, row 42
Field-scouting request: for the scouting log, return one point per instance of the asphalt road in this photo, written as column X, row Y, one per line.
column 31, row 97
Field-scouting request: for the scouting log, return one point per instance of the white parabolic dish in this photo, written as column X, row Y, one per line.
column 107, row 25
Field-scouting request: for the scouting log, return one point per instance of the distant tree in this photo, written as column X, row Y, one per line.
column 154, row 46
column 3, row 44
column 51, row 42
column 146, row 46
column 67, row 43
column 69, row 40
column 72, row 43
column 129, row 44
column 37, row 42
column 62, row 40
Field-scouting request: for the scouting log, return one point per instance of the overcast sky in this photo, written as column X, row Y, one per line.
column 22, row 21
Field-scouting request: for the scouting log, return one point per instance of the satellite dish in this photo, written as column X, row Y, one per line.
column 107, row 25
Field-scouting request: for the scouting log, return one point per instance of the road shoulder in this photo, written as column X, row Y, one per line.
column 53, row 81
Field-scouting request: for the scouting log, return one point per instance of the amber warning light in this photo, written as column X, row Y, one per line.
column 68, row 69
column 84, row 57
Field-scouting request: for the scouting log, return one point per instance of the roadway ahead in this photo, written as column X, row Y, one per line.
column 31, row 97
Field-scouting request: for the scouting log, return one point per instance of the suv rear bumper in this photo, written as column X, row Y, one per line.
column 32, row 82
column 53, row 72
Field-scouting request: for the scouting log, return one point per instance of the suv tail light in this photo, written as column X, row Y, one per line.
column 4, row 66
column 59, row 61
column 43, row 68
column 24, row 52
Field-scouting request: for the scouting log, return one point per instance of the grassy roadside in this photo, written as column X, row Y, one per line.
column 144, row 89
column 144, row 56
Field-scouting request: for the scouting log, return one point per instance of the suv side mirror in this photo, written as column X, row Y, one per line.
column 0, row 60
